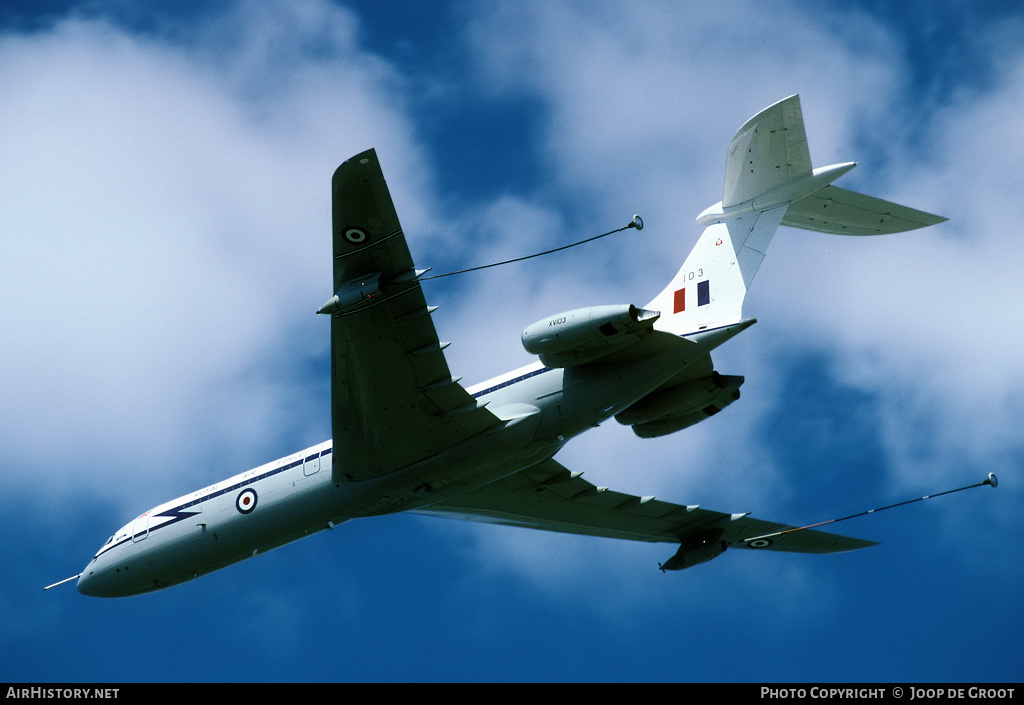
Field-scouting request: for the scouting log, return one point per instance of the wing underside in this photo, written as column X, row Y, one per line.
column 550, row 497
column 394, row 401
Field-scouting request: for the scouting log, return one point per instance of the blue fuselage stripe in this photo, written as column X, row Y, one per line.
column 179, row 512
column 510, row 382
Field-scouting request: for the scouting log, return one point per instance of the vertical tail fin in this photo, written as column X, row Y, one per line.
column 768, row 182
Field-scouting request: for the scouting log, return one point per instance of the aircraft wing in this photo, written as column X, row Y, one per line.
column 394, row 401
column 548, row 496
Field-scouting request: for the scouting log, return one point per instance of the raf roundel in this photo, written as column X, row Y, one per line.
column 356, row 236
column 759, row 543
column 246, row 501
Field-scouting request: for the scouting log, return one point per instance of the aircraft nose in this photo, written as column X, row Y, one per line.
column 110, row 579
column 88, row 584
column 97, row 582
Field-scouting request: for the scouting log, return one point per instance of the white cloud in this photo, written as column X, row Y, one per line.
column 167, row 236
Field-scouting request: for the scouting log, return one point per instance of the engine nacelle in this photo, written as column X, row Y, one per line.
column 680, row 420
column 586, row 334
column 683, row 399
column 696, row 551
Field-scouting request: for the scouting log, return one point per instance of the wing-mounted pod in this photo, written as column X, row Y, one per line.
column 674, row 408
column 587, row 334
column 352, row 294
column 695, row 551
column 363, row 291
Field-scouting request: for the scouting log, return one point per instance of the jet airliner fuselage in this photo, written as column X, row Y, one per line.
column 541, row 409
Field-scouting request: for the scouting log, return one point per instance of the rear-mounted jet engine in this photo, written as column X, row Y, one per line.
column 669, row 410
column 587, row 334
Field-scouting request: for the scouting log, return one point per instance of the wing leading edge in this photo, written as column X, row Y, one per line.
column 394, row 401
column 550, row 497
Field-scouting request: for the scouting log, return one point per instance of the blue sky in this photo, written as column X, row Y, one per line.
column 166, row 212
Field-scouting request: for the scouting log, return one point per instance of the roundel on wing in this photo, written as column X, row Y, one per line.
column 355, row 236
column 245, row 502
column 759, row 543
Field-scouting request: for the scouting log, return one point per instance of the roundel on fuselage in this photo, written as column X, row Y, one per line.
column 246, row 501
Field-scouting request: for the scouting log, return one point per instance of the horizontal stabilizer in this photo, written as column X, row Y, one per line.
column 841, row 212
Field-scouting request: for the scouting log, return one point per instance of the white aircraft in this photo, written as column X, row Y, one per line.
column 407, row 436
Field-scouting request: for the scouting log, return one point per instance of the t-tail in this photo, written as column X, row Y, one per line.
column 769, row 182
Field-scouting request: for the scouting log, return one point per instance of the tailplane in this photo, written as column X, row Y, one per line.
column 769, row 182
